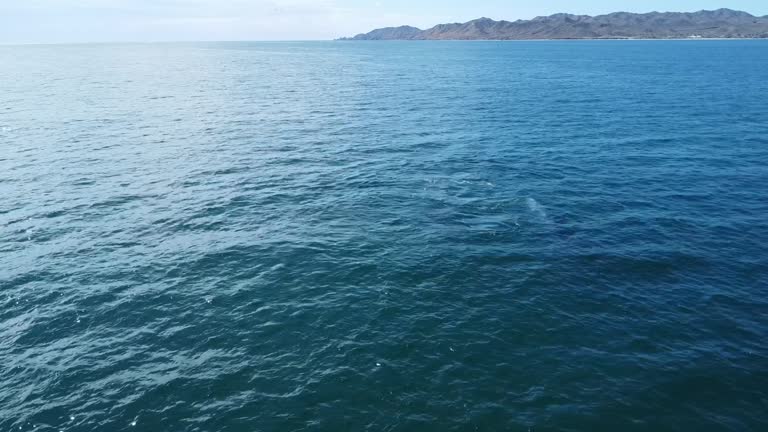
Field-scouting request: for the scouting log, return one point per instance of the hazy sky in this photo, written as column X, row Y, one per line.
column 33, row 21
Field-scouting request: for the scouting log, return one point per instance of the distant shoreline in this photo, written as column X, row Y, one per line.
column 43, row 44
column 706, row 24
column 545, row 40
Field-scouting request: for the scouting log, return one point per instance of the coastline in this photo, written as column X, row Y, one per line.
column 547, row 40
column 717, row 24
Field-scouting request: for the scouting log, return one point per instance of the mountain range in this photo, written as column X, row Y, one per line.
column 721, row 23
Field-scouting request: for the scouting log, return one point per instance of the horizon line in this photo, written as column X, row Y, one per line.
column 128, row 41
column 171, row 42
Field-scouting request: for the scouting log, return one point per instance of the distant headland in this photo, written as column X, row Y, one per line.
column 721, row 23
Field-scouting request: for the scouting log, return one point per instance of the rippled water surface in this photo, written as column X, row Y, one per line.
column 426, row 236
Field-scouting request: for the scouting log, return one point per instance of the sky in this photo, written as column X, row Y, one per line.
column 67, row 21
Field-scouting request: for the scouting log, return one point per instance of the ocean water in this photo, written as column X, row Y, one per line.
column 425, row 236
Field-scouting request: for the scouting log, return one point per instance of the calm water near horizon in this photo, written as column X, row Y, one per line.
column 387, row 236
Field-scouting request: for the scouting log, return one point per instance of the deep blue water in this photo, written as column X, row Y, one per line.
column 425, row 236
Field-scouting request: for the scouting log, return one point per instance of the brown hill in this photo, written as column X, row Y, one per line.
column 721, row 23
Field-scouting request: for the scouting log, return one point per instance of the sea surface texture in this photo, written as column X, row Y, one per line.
column 394, row 236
